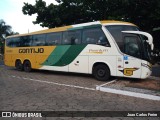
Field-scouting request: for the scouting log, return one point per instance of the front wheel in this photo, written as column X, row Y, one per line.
column 101, row 72
column 27, row 66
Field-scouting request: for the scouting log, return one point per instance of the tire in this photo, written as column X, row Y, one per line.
column 18, row 65
column 27, row 66
column 101, row 72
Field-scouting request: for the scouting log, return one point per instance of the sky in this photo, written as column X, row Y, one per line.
column 11, row 13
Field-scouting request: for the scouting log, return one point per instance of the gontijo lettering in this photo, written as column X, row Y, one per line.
column 31, row 50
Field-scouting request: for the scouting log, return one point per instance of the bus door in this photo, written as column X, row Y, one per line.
column 132, row 56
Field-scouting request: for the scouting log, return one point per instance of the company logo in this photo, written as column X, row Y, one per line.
column 6, row 114
column 128, row 71
column 9, row 51
column 98, row 51
column 31, row 50
column 21, row 114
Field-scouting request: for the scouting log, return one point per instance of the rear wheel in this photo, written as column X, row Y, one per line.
column 101, row 72
column 19, row 65
column 27, row 66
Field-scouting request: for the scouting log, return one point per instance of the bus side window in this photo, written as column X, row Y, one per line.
column 9, row 42
column 25, row 41
column 94, row 36
column 39, row 40
column 71, row 37
column 65, row 40
column 17, row 42
column 13, row 42
column 74, row 37
column 53, row 38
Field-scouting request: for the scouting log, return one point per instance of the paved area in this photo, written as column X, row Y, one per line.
column 49, row 91
column 156, row 70
column 1, row 62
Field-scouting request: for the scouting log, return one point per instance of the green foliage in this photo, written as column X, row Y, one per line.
column 145, row 14
column 5, row 30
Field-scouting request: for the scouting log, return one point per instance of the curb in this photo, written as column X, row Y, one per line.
column 128, row 93
column 154, row 78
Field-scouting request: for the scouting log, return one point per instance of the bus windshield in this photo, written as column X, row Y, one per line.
column 147, row 49
column 131, row 44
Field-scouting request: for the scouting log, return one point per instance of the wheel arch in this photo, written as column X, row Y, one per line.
column 18, row 59
column 18, row 65
column 27, row 65
column 26, row 60
column 102, row 63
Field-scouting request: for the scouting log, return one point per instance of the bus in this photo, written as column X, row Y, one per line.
column 102, row 48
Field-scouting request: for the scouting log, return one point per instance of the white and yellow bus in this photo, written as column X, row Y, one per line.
column 101, row 48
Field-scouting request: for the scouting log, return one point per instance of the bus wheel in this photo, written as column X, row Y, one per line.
column 101, row 72
column 19, row 65
column 27, row 66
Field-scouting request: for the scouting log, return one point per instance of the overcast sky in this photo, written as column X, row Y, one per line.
column 11, row 13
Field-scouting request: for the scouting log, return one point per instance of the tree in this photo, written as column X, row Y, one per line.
column 5, row 30
column 145, row 14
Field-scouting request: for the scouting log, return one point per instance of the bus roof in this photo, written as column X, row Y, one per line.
column 59, row 29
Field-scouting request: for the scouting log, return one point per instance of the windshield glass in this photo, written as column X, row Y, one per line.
column 134, row 45
column 147, row 49
column 116, row 32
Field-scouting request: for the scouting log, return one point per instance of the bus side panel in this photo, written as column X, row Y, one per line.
column 31, row 58
column 39, row 60
column 8, row 60
column 9, row 53
column 43, row 57
column 146, row 68
column 110, row 61
column 120, row 65
column 79, row 65
column 55, row 68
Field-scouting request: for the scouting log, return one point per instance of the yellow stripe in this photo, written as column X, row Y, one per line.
column 113, row 21
column 36, row 59
column 59, row 29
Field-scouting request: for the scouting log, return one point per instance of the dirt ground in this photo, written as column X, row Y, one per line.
column 146, row 84
column 143, row 84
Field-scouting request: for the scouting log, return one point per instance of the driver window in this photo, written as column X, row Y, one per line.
column 131, row 46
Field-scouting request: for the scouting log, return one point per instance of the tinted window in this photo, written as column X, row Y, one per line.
column 53, row 38
column 39, row 40
column 116, row 32
column 13, row 42
column 9, row 42
column 132, row 46
column 94, row 36
column 72, row 37
column 25, row 41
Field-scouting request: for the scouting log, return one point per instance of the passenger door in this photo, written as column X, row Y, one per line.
column 132, row 56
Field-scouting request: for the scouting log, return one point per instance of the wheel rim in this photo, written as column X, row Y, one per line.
column 18, row 65
column 27, row 66
column 101, row 72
